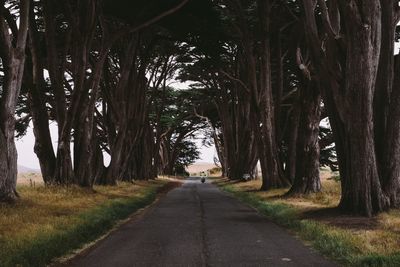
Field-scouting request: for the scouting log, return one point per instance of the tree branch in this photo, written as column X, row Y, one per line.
column 236, row 80
column 5, row 37
column 10, row 21
column 301, row 65
column 159, row 17
column 326, row 20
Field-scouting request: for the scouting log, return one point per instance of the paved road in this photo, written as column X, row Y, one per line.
column 198, row 225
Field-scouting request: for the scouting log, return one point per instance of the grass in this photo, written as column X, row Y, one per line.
column 47, row 223
column 349, row 240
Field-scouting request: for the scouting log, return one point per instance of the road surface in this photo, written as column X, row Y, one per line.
column 198, row 225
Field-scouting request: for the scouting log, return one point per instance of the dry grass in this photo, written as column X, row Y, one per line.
column 53, row 207
column 50, row 211
column 29, row 178
column 379, row 235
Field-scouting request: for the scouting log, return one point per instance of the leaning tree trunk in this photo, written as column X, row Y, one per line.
column 306, row 179
column 13, row 61
column 56, row 66
column 36, row 97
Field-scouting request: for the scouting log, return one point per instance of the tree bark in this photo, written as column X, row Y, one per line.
column 290, row 168
column 384, row 80
column 13, row 61
column 85, row 126
column 307, row 178
column 63, row 173
column 273, row 176
column 391, row 166
column 43, row 143
column 349, row 81
column 363, row 192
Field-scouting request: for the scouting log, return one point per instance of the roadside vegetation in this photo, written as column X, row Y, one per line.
column 349, row 240
column 49, row 222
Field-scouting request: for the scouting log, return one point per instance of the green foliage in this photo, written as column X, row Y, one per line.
column 178, row 123
column 187, row 154
column 379, row 260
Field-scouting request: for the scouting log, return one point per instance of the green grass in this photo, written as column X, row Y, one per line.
column 337, row 244
column 47, row 243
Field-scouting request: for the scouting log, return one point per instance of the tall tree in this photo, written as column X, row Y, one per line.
column 348, row 65
column 37, row 89
column 13, row 40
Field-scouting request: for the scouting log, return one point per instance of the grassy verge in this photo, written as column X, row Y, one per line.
column 341, row 238
column 50, row 222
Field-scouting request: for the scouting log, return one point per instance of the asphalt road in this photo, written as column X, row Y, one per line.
column 198, row 225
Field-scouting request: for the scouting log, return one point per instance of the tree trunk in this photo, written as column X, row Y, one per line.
column 97, row 163
column 85, row 126
column 239, row 140
column 63, row 168
column 384, row 81
column 391, row 166
column 272, row 173
column 13, row 61
column 290, row 168
column 348, row 70
column 307, row 178
column 362, row 194
column 43, row 143
column 388, row 82
column 114, row 169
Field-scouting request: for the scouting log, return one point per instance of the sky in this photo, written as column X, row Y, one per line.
column 27, row 158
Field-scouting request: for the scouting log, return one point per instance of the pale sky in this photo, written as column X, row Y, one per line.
column 27, row 158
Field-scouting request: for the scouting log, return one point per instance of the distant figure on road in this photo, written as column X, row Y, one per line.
column 203, row 178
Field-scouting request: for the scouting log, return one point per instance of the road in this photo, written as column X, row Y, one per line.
column 198, row 225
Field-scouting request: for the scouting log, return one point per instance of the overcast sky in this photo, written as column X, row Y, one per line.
column 27, row 157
